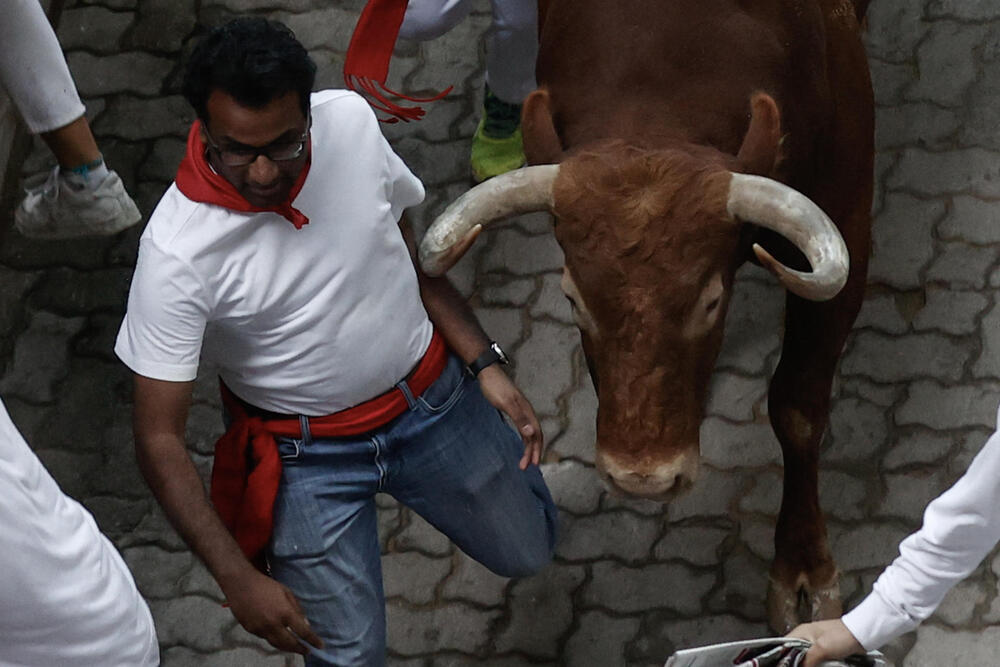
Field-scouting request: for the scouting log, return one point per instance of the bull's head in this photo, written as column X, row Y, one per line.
column 652, row 239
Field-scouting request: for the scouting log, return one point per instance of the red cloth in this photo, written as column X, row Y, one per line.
column 198, row 182
column 247, row 467
column 366, row 65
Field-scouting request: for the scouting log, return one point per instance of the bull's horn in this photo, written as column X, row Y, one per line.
column 520, row 191
column 776, row 206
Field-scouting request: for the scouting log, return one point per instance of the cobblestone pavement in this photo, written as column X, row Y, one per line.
column 915, row 398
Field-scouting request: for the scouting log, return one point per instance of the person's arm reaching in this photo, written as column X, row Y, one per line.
column 261, row 605
column 960, row 527
column 454, row 319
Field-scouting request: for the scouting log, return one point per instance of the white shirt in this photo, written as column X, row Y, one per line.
column 66, row 597
column 960, row 527
column 307, row 321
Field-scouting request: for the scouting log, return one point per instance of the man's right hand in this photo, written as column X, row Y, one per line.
column 830, row 640
column 269, row 610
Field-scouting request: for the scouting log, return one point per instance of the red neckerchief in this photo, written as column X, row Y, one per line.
column 366, row 65
column 198, row 182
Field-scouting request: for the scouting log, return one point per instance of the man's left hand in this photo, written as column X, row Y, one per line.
column 501, row 392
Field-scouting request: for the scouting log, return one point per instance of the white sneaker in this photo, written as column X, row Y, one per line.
column 54, row 210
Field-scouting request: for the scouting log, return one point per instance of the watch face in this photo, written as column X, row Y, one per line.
column 500, row 353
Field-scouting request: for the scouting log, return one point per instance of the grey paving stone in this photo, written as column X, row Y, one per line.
column 162, row 163
column 965, row 171
column 512, row 251
column 671, row 634
column 600, row 639
column 734, row 397
column 696, row 544
column 418, row 535
column 626, row 590
column 975, row 129
column 621, row 535
column 944, row 408
column 515, row 293
column 917, row 124
column 975, row 10
column 764, row 493
column 324, row 27
column 40, row 357
column 842, row 496
column 726, row 445
column 882, row 395
column 881, row 313
column 96, row 29
column 117, row 517
column 903, row 358
column 504, row 326
column 544, row 369
column 551, row 301
column 950, row 311
column 960, row 604
column 753, row 324
column 580, row 438
column 857, row 429
column 237, row 6
column 758, row 536
column 471, row 581
column 867, row 545
column 453, row 626
column 445, row 61
column 971, row 220
column 541, row 612
column 435, row 164
column 895, row 28
column 988, row 363
column 917, row 448
column 889, row 80
column 79, row 292
column 963, row 266
column 744, row 587
column 413, row 577
column 575, row 488
column 238, row 657
column 162, row 117
column 191, row 621
column 132, row 72
column 901, row 241
column 198, row 581
column 712, row 495
column 153, row 528
column 162, row 25
column 157, row 572
column 906, row 495
column 937, row 646
column 947, row 66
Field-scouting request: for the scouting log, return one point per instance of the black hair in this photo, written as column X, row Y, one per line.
column 253, row 60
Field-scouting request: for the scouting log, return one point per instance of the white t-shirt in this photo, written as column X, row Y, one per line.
column 66, row 597
column 307, row 321
column 960, row 527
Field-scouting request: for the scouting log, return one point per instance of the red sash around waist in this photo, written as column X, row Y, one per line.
column 247, row 467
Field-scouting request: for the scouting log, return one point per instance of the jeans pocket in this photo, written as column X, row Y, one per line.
column 444, row 393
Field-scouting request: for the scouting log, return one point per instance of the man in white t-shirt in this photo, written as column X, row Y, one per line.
column 66, row 596
column 281, row 255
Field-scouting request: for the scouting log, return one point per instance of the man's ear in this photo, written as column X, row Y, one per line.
column 759, row 153
column 541, row 142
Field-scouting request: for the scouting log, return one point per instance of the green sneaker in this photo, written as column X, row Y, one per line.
column 497, row 146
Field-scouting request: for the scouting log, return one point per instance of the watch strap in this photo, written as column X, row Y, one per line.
column 490, row 356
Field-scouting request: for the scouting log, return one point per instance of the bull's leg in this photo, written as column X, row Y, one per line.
column 799, row 405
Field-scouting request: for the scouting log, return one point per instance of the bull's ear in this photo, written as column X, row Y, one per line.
column 761, row 145
column 541, row 142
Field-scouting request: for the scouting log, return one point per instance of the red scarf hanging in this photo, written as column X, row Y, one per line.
column 198, row 182
column 366, row 66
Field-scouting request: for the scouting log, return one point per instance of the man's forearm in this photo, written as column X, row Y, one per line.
column 175, row 482
column 453, row 318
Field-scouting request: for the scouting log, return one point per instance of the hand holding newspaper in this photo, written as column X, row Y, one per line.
column 769, row 652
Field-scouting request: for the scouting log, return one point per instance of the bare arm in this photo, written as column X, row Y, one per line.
column 454, row 319
column 262, row 605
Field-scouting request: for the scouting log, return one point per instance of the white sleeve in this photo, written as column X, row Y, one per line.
column 165, row 320
column 403, row 188
column 960, row 527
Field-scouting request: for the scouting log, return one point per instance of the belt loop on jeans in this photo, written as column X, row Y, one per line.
column 306, row 431
column 407, row 394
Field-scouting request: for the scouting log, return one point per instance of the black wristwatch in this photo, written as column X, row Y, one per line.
column 492, row 355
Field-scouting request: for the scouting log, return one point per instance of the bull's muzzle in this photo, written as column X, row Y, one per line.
column 659, row 480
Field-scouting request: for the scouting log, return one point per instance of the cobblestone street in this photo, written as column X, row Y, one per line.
column 915, row 398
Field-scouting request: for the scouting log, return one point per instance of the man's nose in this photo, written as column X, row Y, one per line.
column 263, row 171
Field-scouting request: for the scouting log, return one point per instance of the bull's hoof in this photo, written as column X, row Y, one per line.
column 790, row 605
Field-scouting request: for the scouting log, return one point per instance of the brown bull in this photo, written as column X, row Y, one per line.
column 670, row 127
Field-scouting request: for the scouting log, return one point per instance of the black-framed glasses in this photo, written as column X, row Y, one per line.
column 280, row 151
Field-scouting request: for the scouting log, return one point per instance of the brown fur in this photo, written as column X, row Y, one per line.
column 648, row 105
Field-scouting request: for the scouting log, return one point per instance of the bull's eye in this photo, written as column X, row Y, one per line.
column 572, row 302
column 710, row 308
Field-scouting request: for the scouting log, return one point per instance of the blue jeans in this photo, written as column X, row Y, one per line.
column 451, row 458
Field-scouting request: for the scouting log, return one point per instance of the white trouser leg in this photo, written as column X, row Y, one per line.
column 33, row 69
column 511, row 43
